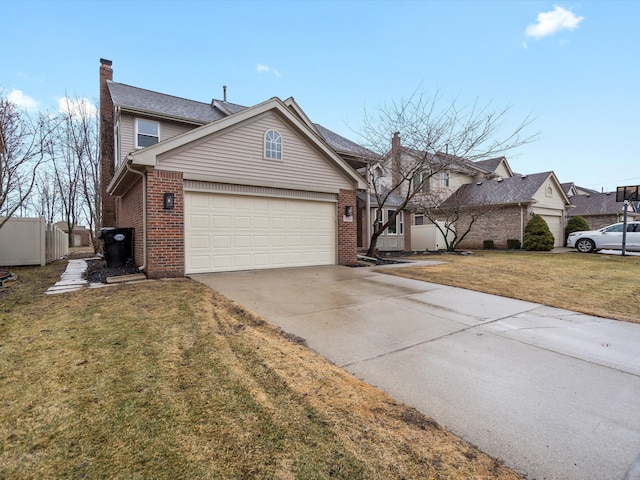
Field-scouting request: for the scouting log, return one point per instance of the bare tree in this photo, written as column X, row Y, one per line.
column 21, row 153
column 452, row 216
column 434, row 139
column 74, row 155
column 44, row 200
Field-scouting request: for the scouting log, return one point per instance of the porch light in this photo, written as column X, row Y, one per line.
column 347, row 211
column 169, row 201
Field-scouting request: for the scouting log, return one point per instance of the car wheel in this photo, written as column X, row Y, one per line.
column 585, row 245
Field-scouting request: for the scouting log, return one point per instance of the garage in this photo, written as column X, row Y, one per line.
column 555, row 225
column 226, row 232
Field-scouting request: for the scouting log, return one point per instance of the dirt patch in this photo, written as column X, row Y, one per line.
column 98, row 271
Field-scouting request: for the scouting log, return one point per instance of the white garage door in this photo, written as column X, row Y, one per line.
column 239, row 232
column 555, row 225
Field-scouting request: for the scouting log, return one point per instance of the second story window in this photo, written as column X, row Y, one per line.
column 273, row 145
column 445, row 179
column 147, row 133
column 421, row 182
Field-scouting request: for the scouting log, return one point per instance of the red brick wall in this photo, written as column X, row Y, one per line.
column 165, row 228
column 347, row 231
column 129, row 214
column 107, row 165
column 407, row 230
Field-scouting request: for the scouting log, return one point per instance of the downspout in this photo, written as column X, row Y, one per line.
column 367, row 207
column 521, row 223
column 144, row 215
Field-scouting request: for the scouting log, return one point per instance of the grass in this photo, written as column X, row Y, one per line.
column 601, row 285
column 167, row 379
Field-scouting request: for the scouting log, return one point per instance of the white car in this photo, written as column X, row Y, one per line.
column 609, row 238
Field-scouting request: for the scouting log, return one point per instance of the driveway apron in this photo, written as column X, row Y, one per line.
column 553, row 393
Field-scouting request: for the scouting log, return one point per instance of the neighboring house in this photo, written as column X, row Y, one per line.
column 510, row 203
column 507, row 200
column 218, row 186
column 81, row 235
column 598, row 209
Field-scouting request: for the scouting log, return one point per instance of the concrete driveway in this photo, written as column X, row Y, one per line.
column 553, row 393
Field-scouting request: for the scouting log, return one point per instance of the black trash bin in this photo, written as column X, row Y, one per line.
column 118, row 246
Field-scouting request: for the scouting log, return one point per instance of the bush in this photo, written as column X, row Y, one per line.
column 537, row 236
column 576, row 224
column 488, row 245
column 513, row 244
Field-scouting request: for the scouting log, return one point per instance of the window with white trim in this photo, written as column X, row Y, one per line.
column 273, row 145
column 392, row 229
column 147, row 132
column 418, row 220
column 444, row 178
column 421, row 182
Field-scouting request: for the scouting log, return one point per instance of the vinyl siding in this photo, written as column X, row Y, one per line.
column 236, row 156
column 128, row 129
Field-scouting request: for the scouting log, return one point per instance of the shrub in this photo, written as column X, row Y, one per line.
column 513, row 244
column 576, row 224
column 537, row 236
column 488, row 245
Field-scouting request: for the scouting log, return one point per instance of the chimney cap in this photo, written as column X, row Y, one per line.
column 104, row 61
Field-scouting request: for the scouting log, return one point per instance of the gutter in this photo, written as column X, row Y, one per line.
column 144, row 215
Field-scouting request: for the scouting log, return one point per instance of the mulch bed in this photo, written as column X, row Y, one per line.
column 98, row 271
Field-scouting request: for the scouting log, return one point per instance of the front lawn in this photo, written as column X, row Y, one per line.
column 167, row 379
column 595, row 284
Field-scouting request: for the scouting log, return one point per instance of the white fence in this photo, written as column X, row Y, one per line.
column 31, row 241
column 428, row 237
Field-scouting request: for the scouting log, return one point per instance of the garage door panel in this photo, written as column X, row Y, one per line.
column 233, row 232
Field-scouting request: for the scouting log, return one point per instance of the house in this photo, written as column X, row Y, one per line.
column 219, row 186
column 81, row 235
column 599, row 209
column 507, row 204
column 488, row 193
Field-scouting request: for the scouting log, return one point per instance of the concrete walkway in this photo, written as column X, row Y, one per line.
column 72, row 279
column 553, row 393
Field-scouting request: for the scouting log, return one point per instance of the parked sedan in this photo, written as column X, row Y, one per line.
column 606, row 238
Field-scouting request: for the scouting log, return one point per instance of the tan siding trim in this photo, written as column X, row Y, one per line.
column 212, row 187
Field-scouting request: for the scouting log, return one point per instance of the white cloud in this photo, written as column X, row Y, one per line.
column 552, row 22
column 266, row 69
column 22, row 100
column 77, row 106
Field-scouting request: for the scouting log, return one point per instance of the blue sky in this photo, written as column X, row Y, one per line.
column 572, row 65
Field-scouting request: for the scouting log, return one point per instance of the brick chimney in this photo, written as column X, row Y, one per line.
column 396, row 157
column 107, row 161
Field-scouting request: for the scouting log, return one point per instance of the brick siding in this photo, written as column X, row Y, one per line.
column 129, row 215
column 165, row 228
column 500, row 225
column 347, row 231
column 107, row 162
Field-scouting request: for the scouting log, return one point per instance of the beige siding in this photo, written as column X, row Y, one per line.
column 502, row 171
column 236, row 156
column 128, row 129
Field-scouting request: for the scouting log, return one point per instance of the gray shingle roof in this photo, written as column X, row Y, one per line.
column 199, row 112
column 168, row 105
column 510, row 190
column 490, row 164
column 342, row 144
column 595, row 204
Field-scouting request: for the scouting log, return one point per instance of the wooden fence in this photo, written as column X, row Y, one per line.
column 31, row 241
